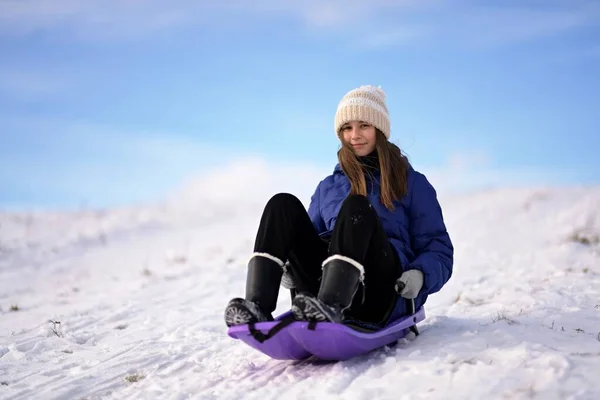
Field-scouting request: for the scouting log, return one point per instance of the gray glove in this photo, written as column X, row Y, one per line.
column 286, row 280
column 410, row 283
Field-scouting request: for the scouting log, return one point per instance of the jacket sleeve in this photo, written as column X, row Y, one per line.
column 314, row 211
column 434, row 252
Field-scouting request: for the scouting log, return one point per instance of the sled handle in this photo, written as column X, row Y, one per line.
column 399, row 287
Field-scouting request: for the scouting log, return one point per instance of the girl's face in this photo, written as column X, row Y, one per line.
column 360, row 135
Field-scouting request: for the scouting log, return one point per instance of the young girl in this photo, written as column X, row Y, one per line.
column 375, row 224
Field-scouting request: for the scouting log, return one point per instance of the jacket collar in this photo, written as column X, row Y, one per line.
column 370, row 163
column 338, row 169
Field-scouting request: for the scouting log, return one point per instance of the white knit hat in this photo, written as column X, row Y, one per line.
column 366, row 103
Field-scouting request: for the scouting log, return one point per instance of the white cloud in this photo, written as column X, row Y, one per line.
column 366, row 24
column 350, row 14
column 476, row 170
column 244, row 183
column 104, row 167
column 91, row 18
column 111, row 18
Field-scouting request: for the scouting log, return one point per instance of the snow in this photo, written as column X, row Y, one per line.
column 128, row 303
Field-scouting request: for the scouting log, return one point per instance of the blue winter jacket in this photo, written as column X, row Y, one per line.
column 415, row 227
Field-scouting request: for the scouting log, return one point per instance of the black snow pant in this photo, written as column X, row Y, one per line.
column 287, row 233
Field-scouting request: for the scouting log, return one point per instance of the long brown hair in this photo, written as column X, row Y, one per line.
column 392, row 164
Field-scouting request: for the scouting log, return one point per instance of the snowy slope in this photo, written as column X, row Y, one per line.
column 140, row 293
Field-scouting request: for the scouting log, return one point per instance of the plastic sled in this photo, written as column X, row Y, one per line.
column 288, row 339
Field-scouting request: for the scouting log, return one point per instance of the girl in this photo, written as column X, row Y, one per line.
column 375, row 224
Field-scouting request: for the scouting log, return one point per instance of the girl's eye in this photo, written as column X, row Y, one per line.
column 345, row 128
column 365, row 125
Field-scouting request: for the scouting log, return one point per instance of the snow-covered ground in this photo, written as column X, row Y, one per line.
column 129, row 304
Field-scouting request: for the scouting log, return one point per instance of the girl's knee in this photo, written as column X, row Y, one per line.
column 356, row 207
column 356, row 201
column 283, row 200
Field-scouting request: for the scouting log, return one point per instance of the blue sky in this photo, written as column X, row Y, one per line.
column 112, row 102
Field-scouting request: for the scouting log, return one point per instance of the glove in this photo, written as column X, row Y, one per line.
column 410, row 283
column 287, row 281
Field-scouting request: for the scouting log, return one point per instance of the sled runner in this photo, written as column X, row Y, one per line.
column 288, row 339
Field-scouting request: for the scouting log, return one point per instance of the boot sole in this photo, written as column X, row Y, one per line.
column 307, row 308
column 237, row 313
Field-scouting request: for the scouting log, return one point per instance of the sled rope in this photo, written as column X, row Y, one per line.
column 261, row 337
column 411, row 306
column 312, row 324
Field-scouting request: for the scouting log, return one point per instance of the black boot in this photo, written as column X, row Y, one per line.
column 339, row 283
column 262, row 289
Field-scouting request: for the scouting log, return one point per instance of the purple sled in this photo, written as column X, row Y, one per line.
column 325, row 340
